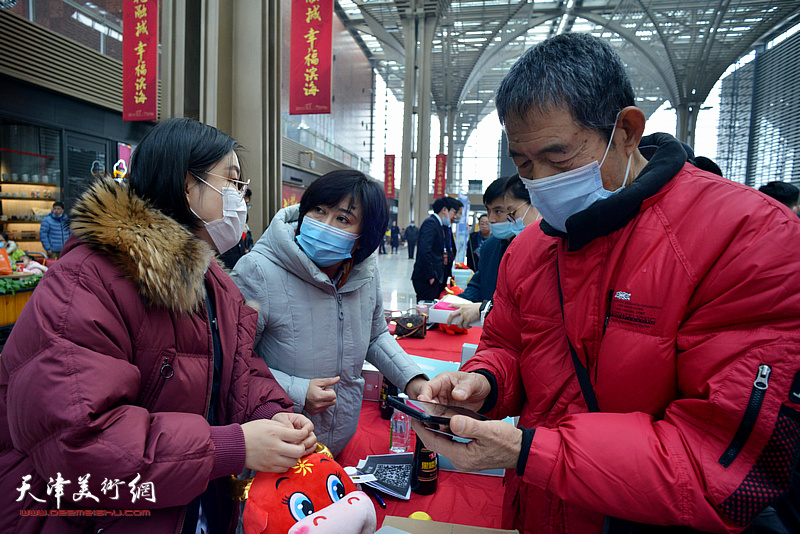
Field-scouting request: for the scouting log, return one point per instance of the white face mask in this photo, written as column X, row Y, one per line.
column 562, row 195
column 227, row 231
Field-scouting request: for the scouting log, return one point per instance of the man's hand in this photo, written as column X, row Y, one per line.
column 431, row 281
column 318, row 397
column 414, row 386
column 300, row 422
column 495, row 444
column 272, row 446
column 462, row 389
column 466, row 314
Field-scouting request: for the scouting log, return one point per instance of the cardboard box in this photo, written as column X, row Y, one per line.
column 416, row 526
column 372, row 382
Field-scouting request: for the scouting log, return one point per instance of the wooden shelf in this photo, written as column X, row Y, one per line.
column 20, row 222
column 38, row 184
column 29, row 199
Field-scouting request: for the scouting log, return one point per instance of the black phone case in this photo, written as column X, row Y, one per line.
column 396, row 402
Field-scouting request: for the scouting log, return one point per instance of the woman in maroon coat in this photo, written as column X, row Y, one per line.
column 128, row 389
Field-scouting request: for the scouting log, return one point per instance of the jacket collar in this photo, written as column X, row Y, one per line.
column 279, row 246
column 164, row 259
column 666, row 156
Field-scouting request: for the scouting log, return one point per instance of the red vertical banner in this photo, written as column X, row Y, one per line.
column 440, row 177
column 388, row 175
column 311, row 57
column 140, row 60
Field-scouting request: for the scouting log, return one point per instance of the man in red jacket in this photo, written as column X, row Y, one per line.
column 646, row 332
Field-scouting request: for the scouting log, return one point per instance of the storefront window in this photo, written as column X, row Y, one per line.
column 30, row 179
column 96, row 24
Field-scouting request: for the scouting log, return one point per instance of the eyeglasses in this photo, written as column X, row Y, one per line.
column 240, row 185
column 511, row 214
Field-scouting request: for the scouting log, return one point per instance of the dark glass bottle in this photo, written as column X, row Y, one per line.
column 425, row 473
column 387, row 389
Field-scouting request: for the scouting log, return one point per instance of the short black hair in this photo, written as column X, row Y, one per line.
column 783, row 192
column 707, row 164
column 171, row 149
column 482, row 215
column 4, row 236
column 453, row 203
column 59, row 204
column 446, row 202
column 575, row 72
column 516, row 189
column 30, row 258
column 495, row 190
column 248, row 193
column 330, row 189
column 438, row 204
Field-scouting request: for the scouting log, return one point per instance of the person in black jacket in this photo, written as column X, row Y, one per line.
column 510, row 211
column 476, row 239
column 411, row 234
column 436, row 250
column 395, row 237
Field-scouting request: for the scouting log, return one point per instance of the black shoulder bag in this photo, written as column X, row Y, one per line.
column 768, row 522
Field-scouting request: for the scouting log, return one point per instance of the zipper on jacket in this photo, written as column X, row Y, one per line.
column 750, row 416
column 608, row 310
column 340, row 353
column 165, row 373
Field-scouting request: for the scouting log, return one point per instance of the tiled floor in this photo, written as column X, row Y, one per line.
column 395, row 269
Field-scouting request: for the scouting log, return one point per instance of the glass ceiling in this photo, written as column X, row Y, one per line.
column 674, row 49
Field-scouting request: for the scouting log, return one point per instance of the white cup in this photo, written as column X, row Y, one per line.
column 5, row 176
column 14, row 177
column 35, row 178
column 15, row 194
column 25, row 178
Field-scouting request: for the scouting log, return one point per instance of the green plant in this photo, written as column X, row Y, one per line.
column 12, row 285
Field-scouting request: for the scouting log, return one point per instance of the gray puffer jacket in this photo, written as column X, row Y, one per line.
column 308, row 329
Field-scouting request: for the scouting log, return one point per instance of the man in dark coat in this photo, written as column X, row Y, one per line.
column 436, row 250
column 476, row 239
column 411, row 234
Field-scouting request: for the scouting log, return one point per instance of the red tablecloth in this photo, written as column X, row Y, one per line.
column 439, row 345
column 461, row 498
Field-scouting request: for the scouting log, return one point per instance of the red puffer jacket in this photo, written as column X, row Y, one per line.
column 678, row 293
column 108, row 373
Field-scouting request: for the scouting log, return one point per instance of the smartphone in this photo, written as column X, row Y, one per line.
column 431, row 413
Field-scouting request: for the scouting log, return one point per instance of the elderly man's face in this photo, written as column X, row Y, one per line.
column 544, row 144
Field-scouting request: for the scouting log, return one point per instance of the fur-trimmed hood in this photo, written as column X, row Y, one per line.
column 160, row 255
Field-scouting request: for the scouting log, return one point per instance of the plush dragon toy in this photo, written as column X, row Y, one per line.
column 313, row 497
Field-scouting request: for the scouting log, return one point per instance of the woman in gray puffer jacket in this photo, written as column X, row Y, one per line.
column 315, row 277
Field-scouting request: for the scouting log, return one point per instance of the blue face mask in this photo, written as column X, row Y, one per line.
column 502, row 230
column 324, row 244
column 2, row 245
column 562, row 195
column 518, row 225
column 446, row 221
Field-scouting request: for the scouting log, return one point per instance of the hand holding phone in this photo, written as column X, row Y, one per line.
column 435, row 416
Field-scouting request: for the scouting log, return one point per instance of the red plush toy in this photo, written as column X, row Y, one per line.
column 315, row 496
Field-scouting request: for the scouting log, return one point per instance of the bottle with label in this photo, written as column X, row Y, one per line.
column 387, row 389
column 400, row 430
column 425, row 472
